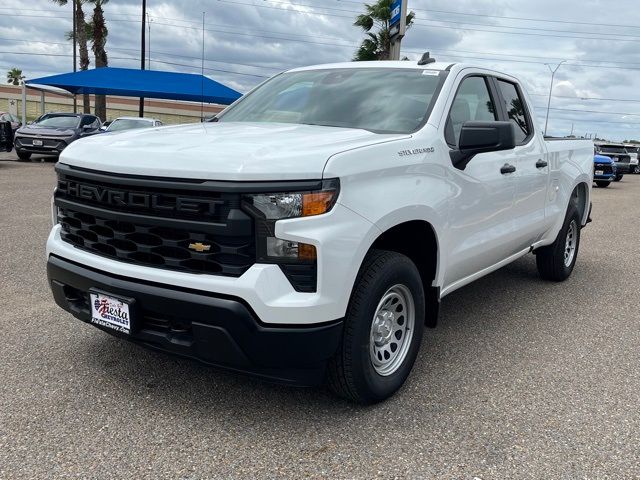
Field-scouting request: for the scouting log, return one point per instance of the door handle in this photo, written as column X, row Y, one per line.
column 541, row 163
column 506, row 168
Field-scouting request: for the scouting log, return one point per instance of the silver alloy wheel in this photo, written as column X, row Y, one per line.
column 570, row 243
column 392, row 330
column 636, row 169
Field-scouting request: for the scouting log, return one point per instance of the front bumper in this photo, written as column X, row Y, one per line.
column 609, row 177
column 51, row 146
column 214, row 329
column 623, row 168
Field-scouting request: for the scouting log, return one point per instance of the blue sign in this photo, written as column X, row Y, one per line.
column 396, row 11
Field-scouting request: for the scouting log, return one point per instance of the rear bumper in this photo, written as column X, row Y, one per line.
column 214, row 329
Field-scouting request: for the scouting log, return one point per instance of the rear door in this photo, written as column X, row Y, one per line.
column 532, row 175
column 481, row 217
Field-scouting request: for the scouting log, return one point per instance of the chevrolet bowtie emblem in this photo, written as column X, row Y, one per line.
column 199, row 247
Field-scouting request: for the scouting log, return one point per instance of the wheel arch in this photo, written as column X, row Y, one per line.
column 580, row 198
column 418, row 240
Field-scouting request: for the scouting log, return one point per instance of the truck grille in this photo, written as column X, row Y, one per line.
column 605, row 167
column 184, row 226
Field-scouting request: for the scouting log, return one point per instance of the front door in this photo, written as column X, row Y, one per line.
column 481, row 224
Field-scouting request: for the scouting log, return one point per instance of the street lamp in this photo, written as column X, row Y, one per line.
column 553, row 74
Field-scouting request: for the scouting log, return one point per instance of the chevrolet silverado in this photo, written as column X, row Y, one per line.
column 309, row 233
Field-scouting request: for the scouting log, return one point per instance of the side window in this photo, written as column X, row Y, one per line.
column 515, row 107
column 5, row 118
column 87, row 121
column 472, row 103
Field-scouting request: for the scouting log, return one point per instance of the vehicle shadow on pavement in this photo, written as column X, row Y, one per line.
column 487, row 307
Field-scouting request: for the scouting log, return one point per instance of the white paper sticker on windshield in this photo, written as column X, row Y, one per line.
column 430, row 72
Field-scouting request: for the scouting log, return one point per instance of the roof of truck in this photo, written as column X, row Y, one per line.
column 378, row 64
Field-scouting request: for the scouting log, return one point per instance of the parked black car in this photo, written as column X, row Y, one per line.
column 11, row 118
column 619, row 154
column 52, row 132
column 6, row 136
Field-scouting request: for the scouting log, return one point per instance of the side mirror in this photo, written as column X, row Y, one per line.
column 482, row 137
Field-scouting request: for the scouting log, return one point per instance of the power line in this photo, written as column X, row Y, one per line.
column 588, row 98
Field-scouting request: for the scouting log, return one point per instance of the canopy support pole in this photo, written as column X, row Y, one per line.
column 24, row 104
column 42, row 102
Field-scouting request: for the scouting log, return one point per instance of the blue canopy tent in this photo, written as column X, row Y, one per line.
column 129, row 82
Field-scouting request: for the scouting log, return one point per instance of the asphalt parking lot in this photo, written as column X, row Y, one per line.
column 522, row 379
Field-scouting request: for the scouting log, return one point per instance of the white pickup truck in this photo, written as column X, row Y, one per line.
column 308, row 234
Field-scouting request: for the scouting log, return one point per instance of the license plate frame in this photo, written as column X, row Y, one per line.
column 38, row 143
column 112, row 311
column 599, row 172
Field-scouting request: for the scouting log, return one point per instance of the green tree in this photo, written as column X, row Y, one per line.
column 15, row 77
column 81, row 39
column 378, row 44
column 98, row 35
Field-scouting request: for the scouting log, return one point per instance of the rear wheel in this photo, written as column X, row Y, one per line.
column 556, row 261
column 24, row 156
column 636, row 169
column 382, row 330
column 602, row 184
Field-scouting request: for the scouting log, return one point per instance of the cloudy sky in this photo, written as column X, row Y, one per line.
column 597, row 90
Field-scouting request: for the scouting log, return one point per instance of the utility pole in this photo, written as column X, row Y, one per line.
column 149, row 26
column 202, row 75
column 397, row 27
column 142, row 54
column 75, row 62
column 553, row 74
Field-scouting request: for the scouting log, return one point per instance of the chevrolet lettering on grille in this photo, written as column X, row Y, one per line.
column 123, row 198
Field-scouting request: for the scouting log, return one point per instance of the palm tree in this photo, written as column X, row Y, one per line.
column 15, row 77
column 378, row 45
column 99, row 34
column 81, row 38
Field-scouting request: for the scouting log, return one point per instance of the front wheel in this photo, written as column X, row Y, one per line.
column 24, row 156
column 602, row 184
column 618, row 178
column 636, row 169
column 556, row 261
column 382, row 329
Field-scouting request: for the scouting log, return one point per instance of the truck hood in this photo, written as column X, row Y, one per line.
column 221, row 151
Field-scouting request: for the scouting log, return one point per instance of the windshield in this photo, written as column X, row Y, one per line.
column 612, row 149
column 128, row 124
column 65, row 121
column 381, row 100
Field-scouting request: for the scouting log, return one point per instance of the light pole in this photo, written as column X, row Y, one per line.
column 553, row 74
column 142, row 55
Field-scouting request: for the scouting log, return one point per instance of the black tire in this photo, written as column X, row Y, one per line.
column 602, row 184
column 551, row 260
column 24, row 156
column 636, row 169
column 351, row 373
column 618, row 178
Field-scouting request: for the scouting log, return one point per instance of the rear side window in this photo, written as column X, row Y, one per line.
column 515, row 107
column 472, row 103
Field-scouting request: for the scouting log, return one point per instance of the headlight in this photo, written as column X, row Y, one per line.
column 277, row 206
column 267, row 208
